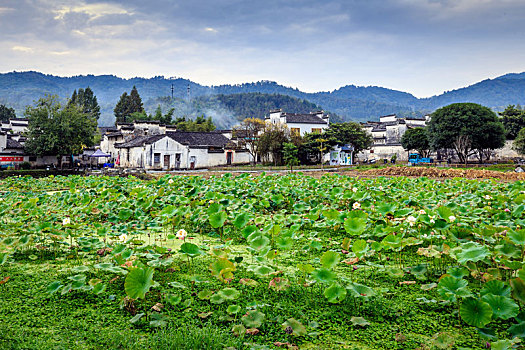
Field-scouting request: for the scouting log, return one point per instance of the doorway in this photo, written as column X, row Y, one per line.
column 166, row 161
column 229, row 158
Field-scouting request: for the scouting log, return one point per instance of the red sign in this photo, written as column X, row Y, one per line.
column 11, row 159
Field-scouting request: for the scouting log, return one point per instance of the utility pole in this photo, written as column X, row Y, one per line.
column 188, row 92
column 172, row 91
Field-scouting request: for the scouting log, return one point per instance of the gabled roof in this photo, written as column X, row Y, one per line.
column 140, row 141
column 13, row 144
column 202, row 139
column 309, row 118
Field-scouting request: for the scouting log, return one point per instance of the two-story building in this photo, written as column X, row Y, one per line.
column 300, row 123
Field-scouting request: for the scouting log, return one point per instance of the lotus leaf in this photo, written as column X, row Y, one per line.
column 360, row 290
column 354, row 226
column 359, row 321
column 475, row 312
column 496, row 288
column 335, row 293
column 190, row 249
column 472, row 251
column 138, row 282
column 323, row 275
column 222, row 268
column 450, row 288
column 233, row 309
column 253, row 319
column 217, row 219
column 229, row 293
column 330, row 259
column 298, row 329
column 502, row 307
column 158, row 320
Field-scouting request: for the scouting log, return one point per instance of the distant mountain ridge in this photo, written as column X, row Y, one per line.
column 18, row 89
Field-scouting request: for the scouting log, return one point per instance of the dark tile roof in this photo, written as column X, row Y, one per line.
column 113, row 134
column 18, row 124
column 13, row 144
column 202, row 139
column 19, row 119
column 140, row 141
column 303, row 118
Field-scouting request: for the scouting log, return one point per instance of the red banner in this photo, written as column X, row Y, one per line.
column 11, row 159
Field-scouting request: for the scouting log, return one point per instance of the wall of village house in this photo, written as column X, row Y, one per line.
column 306, row 128
column 107, row 145
column 381, row 152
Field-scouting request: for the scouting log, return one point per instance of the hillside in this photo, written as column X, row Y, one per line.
column 229, row 103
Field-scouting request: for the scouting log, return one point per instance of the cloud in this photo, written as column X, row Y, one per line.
column 22, row 49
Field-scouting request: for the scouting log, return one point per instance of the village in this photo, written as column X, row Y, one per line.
column 151, row 145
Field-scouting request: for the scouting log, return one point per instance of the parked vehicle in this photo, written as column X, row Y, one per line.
column 415, row 158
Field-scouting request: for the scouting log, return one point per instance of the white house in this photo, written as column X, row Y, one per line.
column 179, row 150
column 300, row 123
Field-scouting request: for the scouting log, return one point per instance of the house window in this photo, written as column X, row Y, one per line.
column 316, row 130
column 295, row 131
column 32, row 158
column 156, row 158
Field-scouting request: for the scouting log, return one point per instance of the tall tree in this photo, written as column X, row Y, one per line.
column 349, row 133
column 128, row 105
column 248, row 134
column 86, row 101
column 57, row 130
column 271, row 142
column 6, row 113
column 513, row 121
column 468, row 128
column 519, row 142
column 416, row 139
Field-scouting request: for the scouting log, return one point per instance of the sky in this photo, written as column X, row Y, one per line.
column 423, row 47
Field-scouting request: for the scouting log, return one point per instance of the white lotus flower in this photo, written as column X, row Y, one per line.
column 170, row 181
column 181, row 234
column 123, row 237
column 411, row 220
column 452, row 218
column 356, row 205
column 354, row 189
column 66, row 221
column 422, row 212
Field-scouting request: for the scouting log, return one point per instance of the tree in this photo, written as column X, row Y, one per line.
column 271, row 141
column 57, row 130
column 350, row 133
column 416, row 139
column 6, row 113
column 128, row 105
column 519, row 142
column 290, row 155
column 312, row 146
column 513, row 121
column 468, row 128
column 248, row 134
column 86, row 101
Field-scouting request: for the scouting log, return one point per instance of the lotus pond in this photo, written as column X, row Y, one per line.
column 261, row 262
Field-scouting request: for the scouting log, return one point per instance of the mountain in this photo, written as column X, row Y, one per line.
column 229, row 103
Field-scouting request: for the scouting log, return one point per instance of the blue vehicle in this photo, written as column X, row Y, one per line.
column 415, row 158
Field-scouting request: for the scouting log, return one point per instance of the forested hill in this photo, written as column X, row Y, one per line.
column 18, row 89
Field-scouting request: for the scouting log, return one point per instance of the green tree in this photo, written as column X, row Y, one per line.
column 248, row 134
column 310, row 145
column 271, row 142
column 290, row 154
column 128, row 105
column 349, row 133
column 416, row 139
column 513, row 121
column 6, row 113
column 57, row 130
column 519, row 142
column 86, row 101
column 468, row 128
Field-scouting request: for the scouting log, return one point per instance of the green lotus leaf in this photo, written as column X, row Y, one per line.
column 284, row 243
column 518, row 289
column 229, row 293
column 518, row 237
column 158, row 320
column 279, row 284
column 298, row 329
column 78, row 269
column 354, row 226
column 359, row 321
column 241, row 220
column 386, row 208
column 253, row 319
column 428, row 286
column 335, row 293
column 443, row 340
column 3, row 258
column 217, row 219
column 450, row 288
column 233, row 309
column 496, row 287
column 214, row 208
column 54, row 287
column 217, row 299
column 475, row 312
column 136, row 318
column 503, row 344
column 259, row 243
column 263, row 270
column 329, row 259
column 190, row 249
column 472, row 251
column 360, row 290
column 359, row 247
column 138, row 282
column 222, row 268
column 502, row 307
column 204, row 294
column 99, row 288
column 323, row 275
column 458, row 272
column 125, row 214
column 239, row 330
column 173, row 299
column 518, row 330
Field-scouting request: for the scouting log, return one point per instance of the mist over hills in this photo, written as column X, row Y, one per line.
column 228, row 104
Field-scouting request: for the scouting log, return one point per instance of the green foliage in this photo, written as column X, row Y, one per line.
column 468, row 128
column 57, row 130
column 513, row 121
column 416, row 139
column 6, row 113
column 475, row 312
column 349, row 133
column 86, row 101
column 290, row 154
column 128, row 105
column 138, row 282
column 519, row 143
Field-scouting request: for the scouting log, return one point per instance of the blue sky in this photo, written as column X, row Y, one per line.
column 420, row 46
